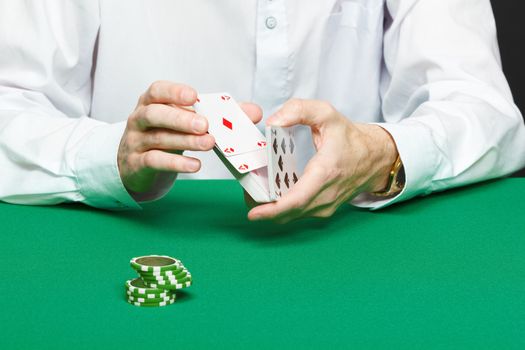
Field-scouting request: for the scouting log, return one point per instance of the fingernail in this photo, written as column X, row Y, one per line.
column 188, row 95
column 199, row 125
column 193, row 165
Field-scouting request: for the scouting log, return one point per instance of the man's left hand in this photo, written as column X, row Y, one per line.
column 351, row 159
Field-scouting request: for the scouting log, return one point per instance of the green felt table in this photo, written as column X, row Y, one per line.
column 445, row 271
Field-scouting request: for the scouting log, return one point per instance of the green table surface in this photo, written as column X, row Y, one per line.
column 445, row 271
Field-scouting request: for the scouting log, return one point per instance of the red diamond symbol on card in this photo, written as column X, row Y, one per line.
column 227, row 123
column 243, row 167
column 198, row 100
column 225, row 97
column 229, row 150
column 261, row 144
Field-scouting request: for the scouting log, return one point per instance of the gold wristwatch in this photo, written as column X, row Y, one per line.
column 396, row 180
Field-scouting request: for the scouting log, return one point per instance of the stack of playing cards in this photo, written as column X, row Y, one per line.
column 264, row 165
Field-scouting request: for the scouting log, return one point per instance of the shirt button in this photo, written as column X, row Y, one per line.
column 271, row 22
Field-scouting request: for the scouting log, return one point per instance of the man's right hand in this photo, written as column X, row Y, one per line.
column 160, row 128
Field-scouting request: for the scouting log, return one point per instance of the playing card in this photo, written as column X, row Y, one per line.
column 265, row 166
column 282, row 165
column 236, row 137
column 254, row 182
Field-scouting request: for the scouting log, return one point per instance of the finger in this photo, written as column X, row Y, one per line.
column 168, row 92
column 297, row 200
column 173, row 118
column 164, row 161
column 170, row 141
column 252, row 110
column 296, row 111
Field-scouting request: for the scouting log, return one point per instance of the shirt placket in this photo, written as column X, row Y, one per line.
column 272, row 73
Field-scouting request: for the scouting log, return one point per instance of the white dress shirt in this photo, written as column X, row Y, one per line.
column 71, row 72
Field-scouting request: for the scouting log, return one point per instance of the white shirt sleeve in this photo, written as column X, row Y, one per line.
column 446, row 101
column 50, row 151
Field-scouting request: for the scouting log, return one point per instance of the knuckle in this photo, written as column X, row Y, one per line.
column 155, row 88
column 326, row 107
column 144, row 117
column 176, row 119
column 131, row 122
column 130, row 140
column 295, row 104
column 135, row 116
column 197, row 142
column 155, row 139
column 202, row 142
column 174, row 163
column 148, row 160
column 142, row 99
column 148, row 112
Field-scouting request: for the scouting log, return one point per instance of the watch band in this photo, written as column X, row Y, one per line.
column 396, row 180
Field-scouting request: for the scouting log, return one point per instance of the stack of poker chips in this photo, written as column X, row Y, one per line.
column 159, row 277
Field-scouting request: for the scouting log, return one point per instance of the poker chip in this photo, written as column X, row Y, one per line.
column 151, row 300
column 166, row 282
column 170, row 286
column 163, row 303
column 165, row 293
column 139, row 287
column 162, row 273
column 155, row 263
column 159, row 277
column 178, row 277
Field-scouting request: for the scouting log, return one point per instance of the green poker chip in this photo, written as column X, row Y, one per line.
column 163, row 303
column 179, row 277
column 167, row 282
column 171, row 286
column 155, row 263
column 139, row 287
column 151, row 300
column 165, row 293
column 163, row 273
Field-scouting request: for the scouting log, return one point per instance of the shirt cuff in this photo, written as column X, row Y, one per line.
column 420, row 161
column 97, row 169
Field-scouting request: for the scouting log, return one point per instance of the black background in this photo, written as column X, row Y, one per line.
column 511, row 35
column 509, row 19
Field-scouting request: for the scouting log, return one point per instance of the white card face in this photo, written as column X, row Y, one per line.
column 254, row 182
column 233, row 130
column 246, row 162
column 282, row 167
column 236, row 137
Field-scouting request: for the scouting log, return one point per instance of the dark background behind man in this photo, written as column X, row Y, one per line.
column 511, row 35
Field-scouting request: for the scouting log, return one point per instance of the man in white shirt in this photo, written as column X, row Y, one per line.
column 418, row 79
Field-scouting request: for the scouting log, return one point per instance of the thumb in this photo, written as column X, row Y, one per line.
column 253, row 111
column 296, row 111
